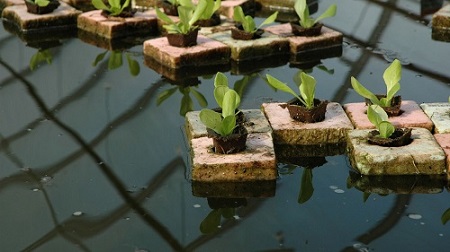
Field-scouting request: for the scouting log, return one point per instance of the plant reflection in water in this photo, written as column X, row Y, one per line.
column 116, row 60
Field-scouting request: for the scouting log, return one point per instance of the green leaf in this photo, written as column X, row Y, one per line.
column 211, row 223
column 306, row 188
column 361, row 90
column 275, row 83
column 199, row 9
column 240, row 85
column 164, row 95
column 187, row 3
column 115, row 60
column 100, row 5
column 227, row 212
column 228, row 125
column 302, row 10
column 200, row 98
column 161, row 15
column 40, row 56
column 219, row 93
column 186, row 104
column 307, row 89
column 376, row 114
column 133, row 65
column 220, row 80
column 238, row 15
column 249, row 24
column 392, row 76
column 99, row 58
column 445, row 216
column 270, row 19
column 125, row 5
column 210, row 119
column 386, row 129
column 42, row 3
column 114, row 3
column 230, row 103
column 330, row 12
column 366, row 196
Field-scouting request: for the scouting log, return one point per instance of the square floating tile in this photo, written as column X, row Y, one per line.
column 267, row 46
column 256, row 163
column 328, row 40
column 412, row 116
column 141, row 24
column 255, row 122
column 439, row 113
column 288, row 131
column 206, row 52
column 61, row 19
column 423, row 156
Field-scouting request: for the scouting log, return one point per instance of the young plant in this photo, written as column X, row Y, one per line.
column 188, row 16
column 391, row 76
column 211, row 7
column 41, row 3
column 378, row 117
column 228, row 100
column 115, row 6
column 248, row 23
column 307, row 88
column 302, row 10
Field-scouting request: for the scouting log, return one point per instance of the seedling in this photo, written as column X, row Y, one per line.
column 40, row 56
column 115, row 6
column 306, row 21
column 307, row 88
column 378, row 117
column 248, row 23
column 391, row 76
column 211, row 7
column 228, row 100
column 41, row 3
column 188, row 16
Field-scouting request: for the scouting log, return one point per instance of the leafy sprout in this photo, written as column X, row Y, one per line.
column 41, row 3
column 116, row 60
column 188, row 16
column 211, row 7
column 307, row 88
column 306, row 21
column 391, row 76
column 378, row 117
column 187, row 103
column 115, row 7
column 248, row 23
column 40, row 56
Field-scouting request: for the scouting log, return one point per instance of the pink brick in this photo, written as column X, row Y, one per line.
column 412, row 116
column 444, row 141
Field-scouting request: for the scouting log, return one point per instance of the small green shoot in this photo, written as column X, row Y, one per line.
column 227, row 99
column 378, row 117
column 306, row 21
column 115, row 7
column 188, row 16
column 248, row 23
column 307, row 88
column 211, row 7
column 40, row 3
column 40, row 56
column 391, row 76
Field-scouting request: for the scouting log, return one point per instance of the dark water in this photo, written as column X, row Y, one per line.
column 90, row 162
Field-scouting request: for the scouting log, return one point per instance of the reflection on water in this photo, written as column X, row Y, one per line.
column 90, row 162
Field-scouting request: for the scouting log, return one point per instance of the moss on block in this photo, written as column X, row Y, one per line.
column 422, row 156
column 256, row 163
column 255, row 122
column 62, row 18
column 441, row 19
column 227, row 7
column 401, row 184
column 206, row 52
column 439, row 114
column 141, row 24
column 247, row 189
column 288, row 131
column 268, row 45
column 444, row 141
column 412, row 116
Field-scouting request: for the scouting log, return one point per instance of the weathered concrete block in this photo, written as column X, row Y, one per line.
column 247, row 189
column 255, row 163
column 401, row 184
column 105, row 43
column 6, row 3
column 328, row 38
column 227, row 7
column 444, row 141
column 439, row 113
column 62, row 18
column 441, row 24
column 255, row 122
column 268, row 45
column 422, row 156
column 141, row 24
column 412, row 116
column 288, row 131
column 206, row 52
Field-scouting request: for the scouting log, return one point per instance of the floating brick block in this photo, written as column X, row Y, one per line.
column 288, row 131
column 268, row 45
column 412, row 116
column 257, row 162
column 441, row 24
column 444, row 141
column 422, row 156
column 141, row 24
column 6, row 3
column 439, row 114
column 206, row 52
column 255, row 122
column 62, row 18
